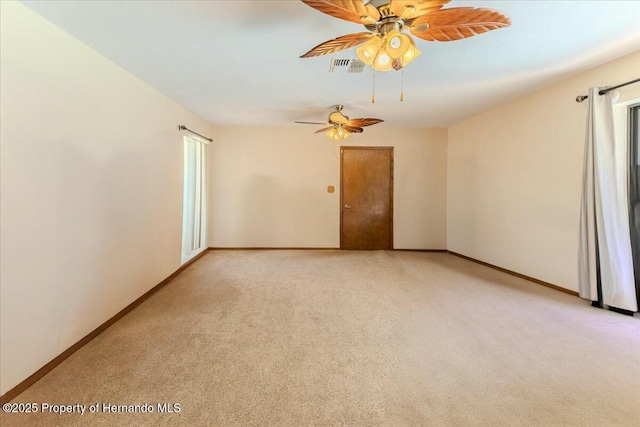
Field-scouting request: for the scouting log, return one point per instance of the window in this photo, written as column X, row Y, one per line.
column 194, row 199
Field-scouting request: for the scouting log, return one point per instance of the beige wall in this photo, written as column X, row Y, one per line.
column 514, row 178
column 268, row 186
column 91, row 190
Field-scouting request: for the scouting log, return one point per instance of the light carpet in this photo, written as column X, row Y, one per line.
column 341, row 338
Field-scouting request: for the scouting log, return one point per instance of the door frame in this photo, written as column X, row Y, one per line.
column 391, row 187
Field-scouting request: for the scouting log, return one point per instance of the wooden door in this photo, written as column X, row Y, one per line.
column 366, row 196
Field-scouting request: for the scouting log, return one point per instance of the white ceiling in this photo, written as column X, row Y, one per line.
column 237, row 62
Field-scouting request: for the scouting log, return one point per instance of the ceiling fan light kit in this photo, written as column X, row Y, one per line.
column 338, row 134
column 389, row 48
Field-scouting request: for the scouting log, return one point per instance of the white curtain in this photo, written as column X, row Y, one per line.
column 604, row 214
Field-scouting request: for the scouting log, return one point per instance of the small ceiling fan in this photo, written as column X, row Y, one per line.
column 385, row 46
column 340, row 126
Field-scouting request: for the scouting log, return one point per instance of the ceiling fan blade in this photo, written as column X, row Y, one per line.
column 324, row 129
column 339, row 43
column 349, row 10
column 363, row 122
column 410, row 9
column 457, row 23
column 311, row 123
column 352, row 129
column 338, row 118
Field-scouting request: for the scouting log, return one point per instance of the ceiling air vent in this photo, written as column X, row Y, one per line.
column 351, row 65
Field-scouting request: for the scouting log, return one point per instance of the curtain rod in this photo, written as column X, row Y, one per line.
column 581, row 98
column 181, row 127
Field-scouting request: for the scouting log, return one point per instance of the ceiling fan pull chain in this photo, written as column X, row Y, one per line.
column 373, row 97
column 402, row 87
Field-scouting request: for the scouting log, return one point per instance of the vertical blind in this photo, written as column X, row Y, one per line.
column 194, row 199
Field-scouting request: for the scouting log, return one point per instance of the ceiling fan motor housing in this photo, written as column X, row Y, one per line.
column 388, row 22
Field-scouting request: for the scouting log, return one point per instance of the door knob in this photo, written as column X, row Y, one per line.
column 347, row 207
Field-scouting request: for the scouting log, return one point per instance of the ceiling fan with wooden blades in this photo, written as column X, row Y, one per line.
column 385, row 45
column 340, row 126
